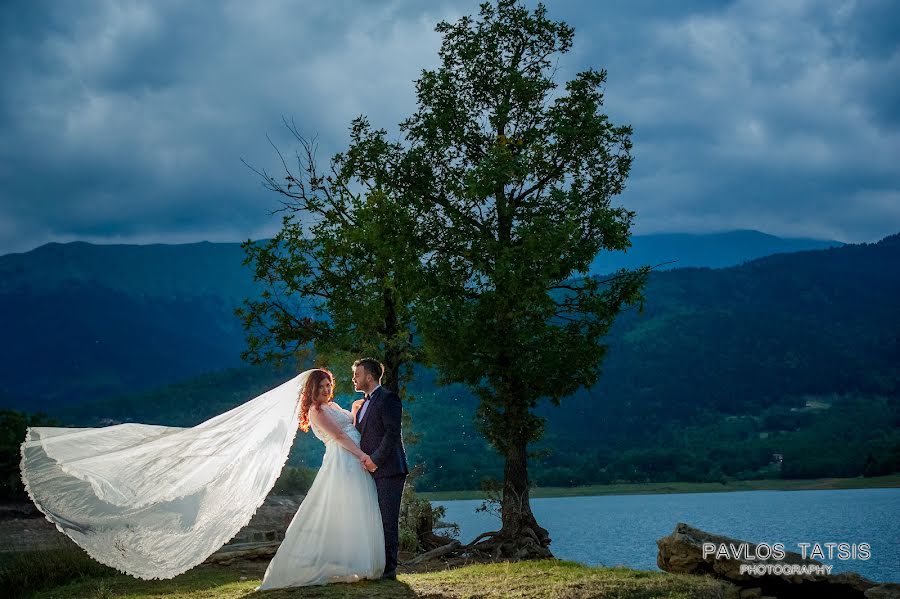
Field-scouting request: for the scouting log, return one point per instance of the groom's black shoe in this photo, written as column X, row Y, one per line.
column 389, row 575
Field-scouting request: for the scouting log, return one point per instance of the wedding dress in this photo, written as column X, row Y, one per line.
column 336, row 534
column 154, row 501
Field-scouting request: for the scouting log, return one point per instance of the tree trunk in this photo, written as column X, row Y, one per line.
column 392, row 372
column 520, row 536
column 529, row 540
column 392, row 359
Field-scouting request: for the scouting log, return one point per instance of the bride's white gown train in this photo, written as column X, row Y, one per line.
column 336, row 534
column 155, row 501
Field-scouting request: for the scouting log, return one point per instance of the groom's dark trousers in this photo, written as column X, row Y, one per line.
column 380, row 437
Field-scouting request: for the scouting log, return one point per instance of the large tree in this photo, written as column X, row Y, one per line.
column 514, row 188
column 339, row 276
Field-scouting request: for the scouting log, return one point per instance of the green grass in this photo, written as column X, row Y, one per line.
column 888, row 481
column 211, row 582
column 541, row 579
column 560, row 579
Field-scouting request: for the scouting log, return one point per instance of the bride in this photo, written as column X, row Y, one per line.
column 336, row 535
column 154, row 501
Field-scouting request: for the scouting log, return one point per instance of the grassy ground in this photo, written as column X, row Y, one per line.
column 891, row 481
column 543, row 579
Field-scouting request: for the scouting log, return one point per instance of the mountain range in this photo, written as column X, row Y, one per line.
column 788, row 353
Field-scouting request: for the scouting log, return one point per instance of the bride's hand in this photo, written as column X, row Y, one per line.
column 367, row 463
column 356, row 406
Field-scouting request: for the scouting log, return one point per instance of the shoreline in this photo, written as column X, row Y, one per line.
column 889, row 481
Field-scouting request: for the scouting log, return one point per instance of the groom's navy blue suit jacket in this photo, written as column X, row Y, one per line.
column 380, row 434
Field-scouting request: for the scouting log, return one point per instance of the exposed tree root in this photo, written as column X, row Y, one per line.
column 497, row 545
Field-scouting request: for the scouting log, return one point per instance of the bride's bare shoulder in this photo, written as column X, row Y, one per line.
column 327, row 406
column 338, row 407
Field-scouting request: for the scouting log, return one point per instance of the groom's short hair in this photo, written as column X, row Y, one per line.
column 372, row 366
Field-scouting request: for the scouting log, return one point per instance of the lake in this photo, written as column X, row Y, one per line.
column 622, row 529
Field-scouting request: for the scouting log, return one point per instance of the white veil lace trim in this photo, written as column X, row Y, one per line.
column 154, row 501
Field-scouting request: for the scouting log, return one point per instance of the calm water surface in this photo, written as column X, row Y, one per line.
column 623, row 529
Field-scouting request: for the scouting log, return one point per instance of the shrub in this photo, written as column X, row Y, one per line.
column 21, row 574
column 294, row 480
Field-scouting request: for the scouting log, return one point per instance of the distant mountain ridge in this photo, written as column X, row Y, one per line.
column 155, row 270
column 205, row 268
column 712, row 250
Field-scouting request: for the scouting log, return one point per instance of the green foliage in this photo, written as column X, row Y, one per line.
column 408, row 540
column 493, row 497
column 294, row 480
column 699, row 447
column 13, row 426
column 522, row 205
column 417, row 515
column 721, row 447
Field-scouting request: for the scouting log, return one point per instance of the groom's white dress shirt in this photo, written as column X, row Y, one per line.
column 365, row 406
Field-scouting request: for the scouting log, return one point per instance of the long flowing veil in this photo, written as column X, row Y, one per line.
column 155, row 501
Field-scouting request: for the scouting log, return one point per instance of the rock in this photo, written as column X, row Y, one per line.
column 262, row 536
column 228, row 555
column 682, row 552
column 888, row 590
column 270, row 521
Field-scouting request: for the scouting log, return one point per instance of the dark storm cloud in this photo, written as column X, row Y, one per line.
column 766, row 115
column 126, row 121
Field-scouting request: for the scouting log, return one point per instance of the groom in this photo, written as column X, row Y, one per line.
column 378, row 423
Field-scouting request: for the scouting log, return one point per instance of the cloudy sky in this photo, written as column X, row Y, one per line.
column 127, row 121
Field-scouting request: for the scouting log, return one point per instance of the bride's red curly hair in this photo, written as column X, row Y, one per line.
column 309, row 392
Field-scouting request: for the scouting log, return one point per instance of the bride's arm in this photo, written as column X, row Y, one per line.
column 323, row 419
